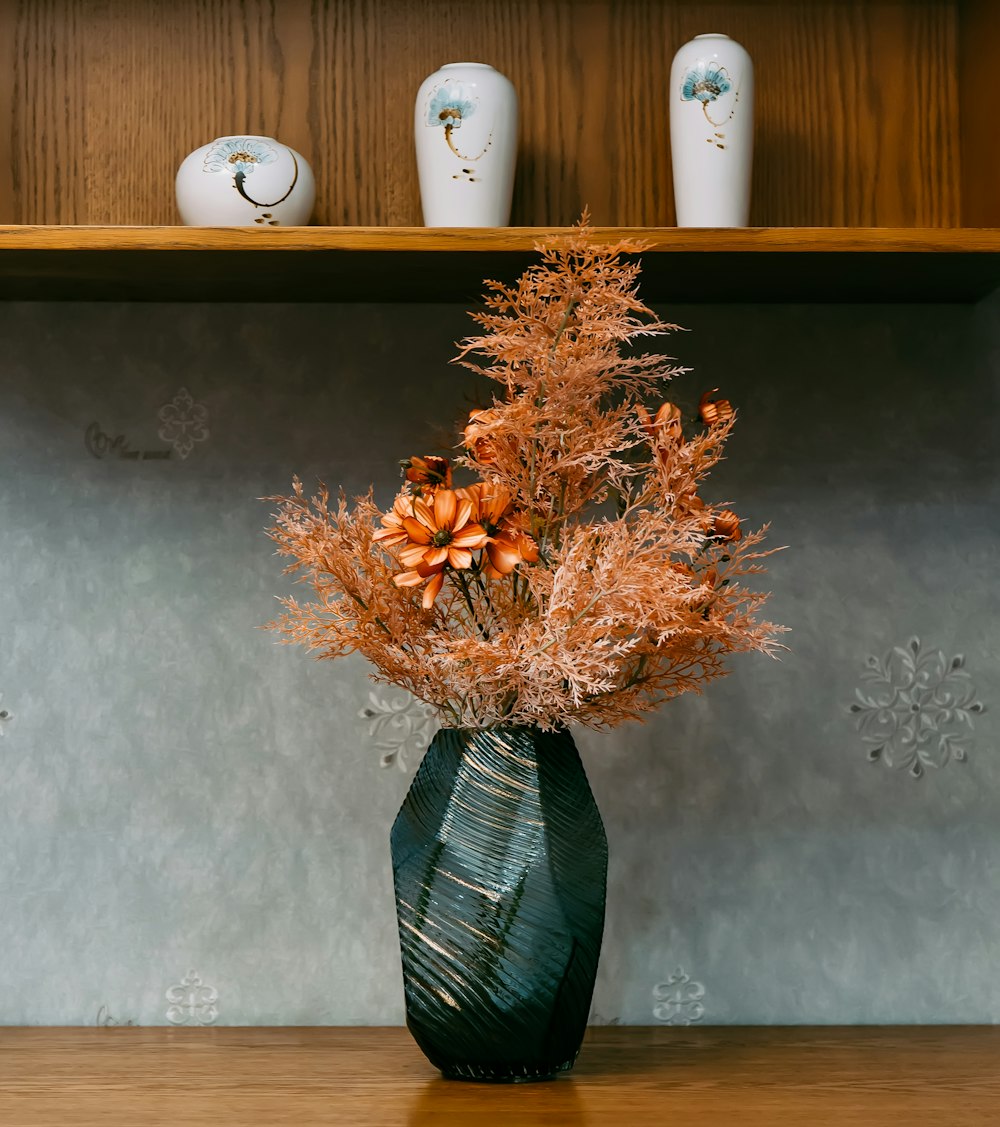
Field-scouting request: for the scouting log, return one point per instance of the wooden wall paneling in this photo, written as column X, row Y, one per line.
column 857, row 102
column 46, row 138
column 979, row 48
column 856, row 107
column 8, row 57
column 914, row 104
column 363, row 172
column 541, row 46
column 163, row 79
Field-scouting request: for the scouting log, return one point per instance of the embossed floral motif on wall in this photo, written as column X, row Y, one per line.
column 184, row 422
column 401, row 727
column 679, row 1000
column 192, row 1002
column 915, row 709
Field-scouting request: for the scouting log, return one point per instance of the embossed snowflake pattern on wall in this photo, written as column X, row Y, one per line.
column 184, row 422
column 401, row 727
column 679, row 1000
column 192, row 1002
column 915, row 708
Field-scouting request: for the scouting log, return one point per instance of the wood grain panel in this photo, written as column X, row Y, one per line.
column 857, row 102
column 979, row 41
column 46, row 142
column 857, row 114
column 755, row 1077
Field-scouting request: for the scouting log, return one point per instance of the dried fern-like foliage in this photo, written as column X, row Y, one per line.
column 580, row 576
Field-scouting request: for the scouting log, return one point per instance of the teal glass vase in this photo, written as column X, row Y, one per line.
column 499, row 861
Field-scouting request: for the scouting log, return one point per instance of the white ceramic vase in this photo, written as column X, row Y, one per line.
column 465, row 129
column 711, row 132
column 245, row 181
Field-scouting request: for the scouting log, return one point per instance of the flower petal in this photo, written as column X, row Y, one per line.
column 413, row 555
column 528, row 547
column 424, row 513
column 432, row 590
column 417, row 530
column 472, row 536
column 389, row 536
column 407, row 579
column 470, row 493
column 459, row 558
column 503, row 555
column 435, row 556
column 463, row 513
column 445, row 508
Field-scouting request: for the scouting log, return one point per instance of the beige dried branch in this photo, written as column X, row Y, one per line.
column 601, row 583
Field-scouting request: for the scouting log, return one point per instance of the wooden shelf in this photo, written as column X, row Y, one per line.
column 868, row 113
column 379, row 264
column 757, row 1077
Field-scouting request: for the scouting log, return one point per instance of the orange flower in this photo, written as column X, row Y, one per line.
column 666, row 422
column 394, row 532
column 482, row 446
column 691, row 504
column 714, row 410
column 417, row 575
column 440, row 532
column 509, row 543
column 428, row 473
column 727, row 525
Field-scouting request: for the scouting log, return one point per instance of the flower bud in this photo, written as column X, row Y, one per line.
column 727, row 525
column 714, row 411
column 480, row 445
column 430, row 472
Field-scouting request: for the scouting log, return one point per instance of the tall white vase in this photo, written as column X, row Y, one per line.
column 465, row 129
column 245, row 181
column 711, row 132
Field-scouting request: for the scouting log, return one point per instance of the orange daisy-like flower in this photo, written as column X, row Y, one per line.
column 394, row 532
column 428, row 473
column 509, row 542
column 440, row 533
column 727, row 525
column 714, row 410
column 479, row 444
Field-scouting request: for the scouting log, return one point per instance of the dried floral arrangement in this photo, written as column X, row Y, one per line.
column 579, row 576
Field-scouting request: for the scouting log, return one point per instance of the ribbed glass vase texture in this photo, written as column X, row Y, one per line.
column 500, row 869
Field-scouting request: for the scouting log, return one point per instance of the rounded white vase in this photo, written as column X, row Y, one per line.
column 465, row 131
column 711, row 132
column 245, row 181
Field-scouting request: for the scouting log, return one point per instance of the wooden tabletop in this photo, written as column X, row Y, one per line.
column 625, row 1077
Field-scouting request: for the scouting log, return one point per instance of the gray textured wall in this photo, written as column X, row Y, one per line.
column 194, row 820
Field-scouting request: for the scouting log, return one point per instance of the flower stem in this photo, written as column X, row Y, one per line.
column 364, row 606
column 464, row 587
